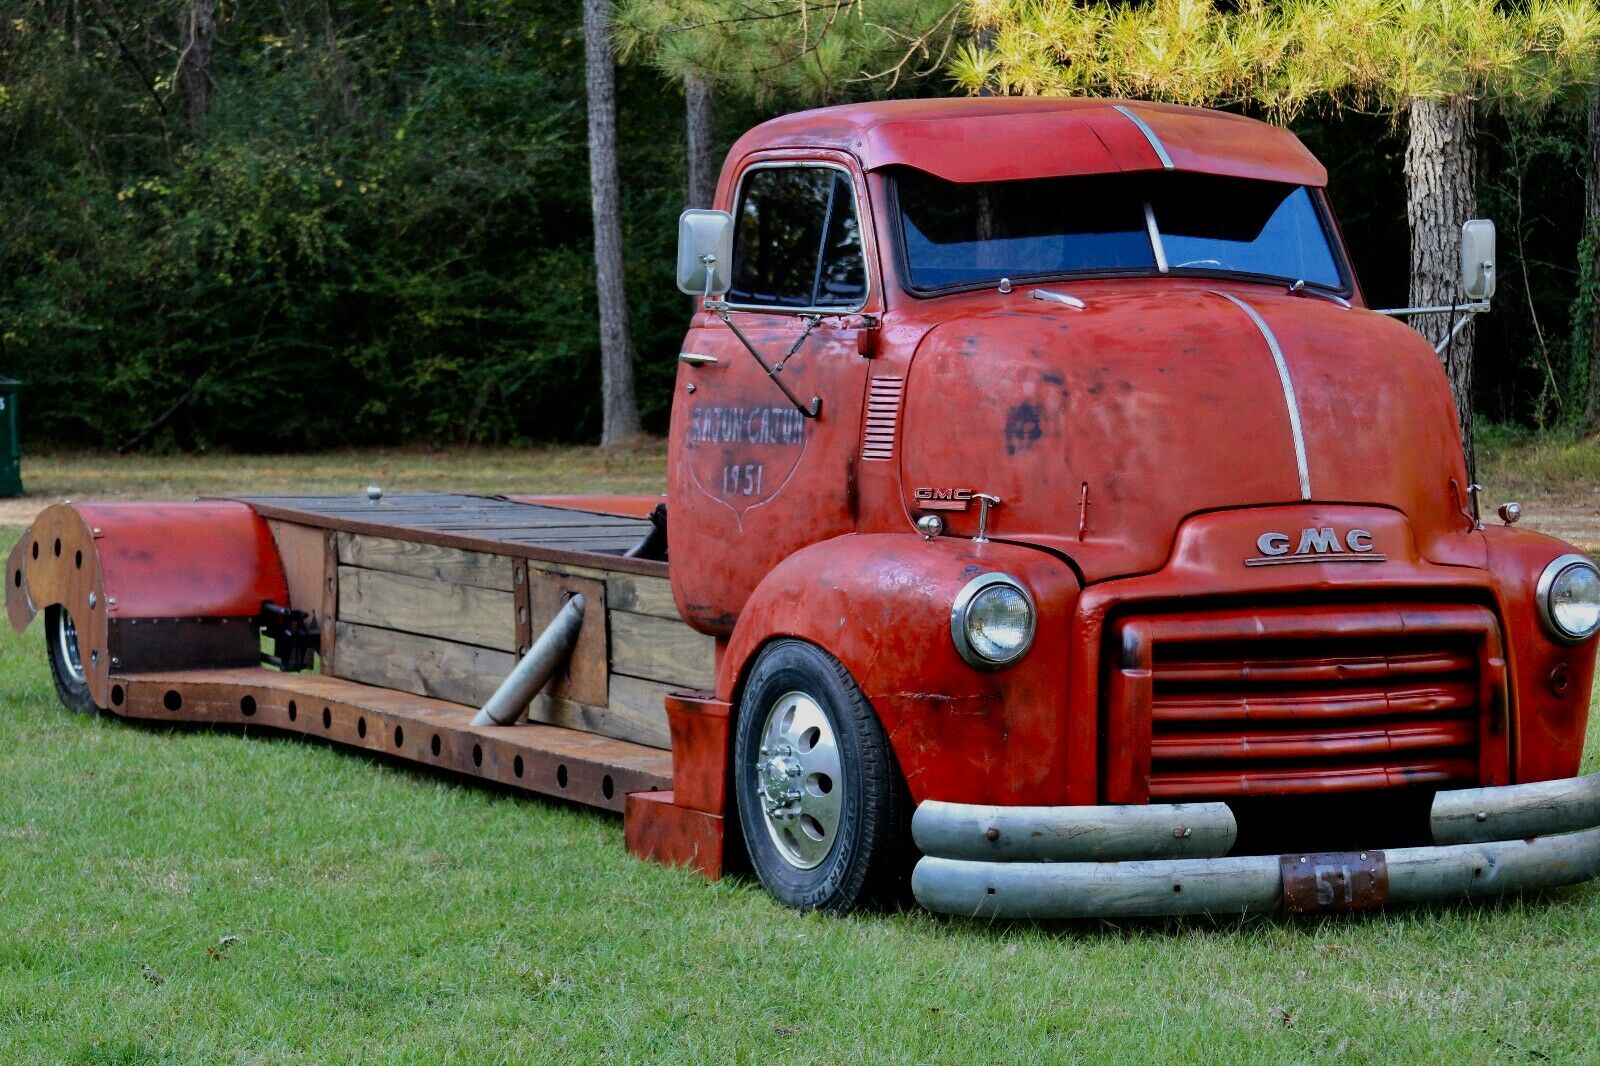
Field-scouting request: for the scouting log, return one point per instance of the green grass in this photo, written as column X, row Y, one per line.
column 1518, row 463
column 386, row 914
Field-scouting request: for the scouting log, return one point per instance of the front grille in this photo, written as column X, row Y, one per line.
column 1280, row 702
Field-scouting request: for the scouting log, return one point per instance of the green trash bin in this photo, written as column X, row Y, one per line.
column 10, row 440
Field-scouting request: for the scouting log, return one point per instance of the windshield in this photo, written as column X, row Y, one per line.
column 960, row 235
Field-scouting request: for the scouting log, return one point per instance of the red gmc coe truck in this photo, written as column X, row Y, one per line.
column 1050, row 527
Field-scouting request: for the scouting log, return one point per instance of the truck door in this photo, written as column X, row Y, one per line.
column 752, row 476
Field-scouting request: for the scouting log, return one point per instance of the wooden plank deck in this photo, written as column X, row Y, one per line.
column 437, row 594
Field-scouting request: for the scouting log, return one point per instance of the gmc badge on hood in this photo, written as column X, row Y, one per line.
column 1316, row 546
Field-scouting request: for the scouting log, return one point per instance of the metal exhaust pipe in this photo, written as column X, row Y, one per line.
column 548, row 654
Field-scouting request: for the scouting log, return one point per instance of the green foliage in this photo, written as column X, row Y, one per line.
column 385, row 234
column 808, row 51
column 1283, row 57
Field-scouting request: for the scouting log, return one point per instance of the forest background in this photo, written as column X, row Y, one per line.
column 252, row 225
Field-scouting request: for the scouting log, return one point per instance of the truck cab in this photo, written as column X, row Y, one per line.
column 1054, row 499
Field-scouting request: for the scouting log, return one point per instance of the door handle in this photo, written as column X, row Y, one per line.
column 697, row 359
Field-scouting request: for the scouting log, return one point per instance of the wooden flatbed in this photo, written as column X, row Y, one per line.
column 424, row 604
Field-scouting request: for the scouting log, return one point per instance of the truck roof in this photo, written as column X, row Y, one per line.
column 1008, row 138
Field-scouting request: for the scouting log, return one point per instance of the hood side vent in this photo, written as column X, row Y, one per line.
column 883, row 417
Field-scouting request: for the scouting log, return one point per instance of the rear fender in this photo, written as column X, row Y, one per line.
column 880, row 604
column 148, row 585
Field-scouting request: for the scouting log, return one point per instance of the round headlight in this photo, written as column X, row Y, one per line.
column 992, row 621
column 1569, row 598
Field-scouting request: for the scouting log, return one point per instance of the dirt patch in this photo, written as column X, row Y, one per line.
column 1573, row 515
column 22, row 512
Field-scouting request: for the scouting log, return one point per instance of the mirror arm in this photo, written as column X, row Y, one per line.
column 710, row 263
column 721, row 310
column 1478, row 308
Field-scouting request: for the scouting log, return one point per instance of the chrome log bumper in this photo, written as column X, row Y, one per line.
column 1171, row 859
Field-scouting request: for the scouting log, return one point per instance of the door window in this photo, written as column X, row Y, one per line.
column 797, row 241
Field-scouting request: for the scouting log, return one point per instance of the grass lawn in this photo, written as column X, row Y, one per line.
column 192, row 895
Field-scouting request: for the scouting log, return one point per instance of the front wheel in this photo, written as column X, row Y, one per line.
column 66, row 661
column 823, row 808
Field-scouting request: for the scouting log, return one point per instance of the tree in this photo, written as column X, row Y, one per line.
column 1589, row 249
column 620, row 413
column 196, row 33
column 700, row 138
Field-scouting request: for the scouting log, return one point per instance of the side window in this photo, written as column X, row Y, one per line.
column 797, row 240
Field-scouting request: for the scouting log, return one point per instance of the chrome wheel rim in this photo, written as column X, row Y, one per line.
column 67, row 642
column 799, row 782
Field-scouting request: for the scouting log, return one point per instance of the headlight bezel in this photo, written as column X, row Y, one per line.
column 1546, row 588
column 960, row 610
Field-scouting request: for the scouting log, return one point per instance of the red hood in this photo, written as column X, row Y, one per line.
column 1166, row 400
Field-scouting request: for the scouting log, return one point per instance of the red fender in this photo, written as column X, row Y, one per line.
column 880, row 603
column 115, row 565
column 1552, row 680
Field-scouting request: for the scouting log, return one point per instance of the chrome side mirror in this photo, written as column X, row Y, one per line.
column 705, row 252
column 1477, row 260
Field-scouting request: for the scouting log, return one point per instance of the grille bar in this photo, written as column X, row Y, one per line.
column 1310, row 781
column 1298, row 706
column 1319, row 669
column 1313, row 743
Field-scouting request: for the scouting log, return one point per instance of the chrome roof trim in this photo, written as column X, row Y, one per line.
column 1149, row 135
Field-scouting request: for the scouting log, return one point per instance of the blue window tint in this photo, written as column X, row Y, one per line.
column 960, row 235
column 1269, row 229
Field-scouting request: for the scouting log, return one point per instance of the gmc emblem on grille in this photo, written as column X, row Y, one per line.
column 1323, row 545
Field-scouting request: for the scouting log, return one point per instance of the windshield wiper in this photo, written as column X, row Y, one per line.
column 1300, row 288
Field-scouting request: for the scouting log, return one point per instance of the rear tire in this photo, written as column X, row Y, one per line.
column 66, row 661
column 824, row 811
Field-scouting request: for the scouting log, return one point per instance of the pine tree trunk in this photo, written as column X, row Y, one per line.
column 619, row 406
column 701, row 141
column 1591, row 217
column 196, row 33
column 1441, row 172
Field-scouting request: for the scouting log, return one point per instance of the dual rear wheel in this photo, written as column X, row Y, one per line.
column 822, row 806
column 66, row 660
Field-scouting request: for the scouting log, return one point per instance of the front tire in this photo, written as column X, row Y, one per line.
column 825, row 813
column 66, row 661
